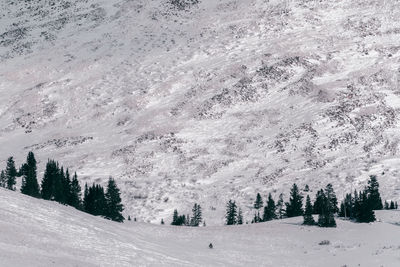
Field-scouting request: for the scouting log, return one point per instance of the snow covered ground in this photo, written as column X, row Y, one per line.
column 42, row 233
column 216, row 101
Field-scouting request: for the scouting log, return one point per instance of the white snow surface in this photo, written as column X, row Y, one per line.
column 220, row 100
column 43, row 233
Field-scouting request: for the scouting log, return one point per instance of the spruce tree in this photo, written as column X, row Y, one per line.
column 113, row 201
column 95, row 202
column 175, row 218
column 330, row 194
column 366, row 213
column 11, row 174
column 373, row 193
column 197, row 215
column 231, row 213
column 295, row 205
column 386, row 205
column 317, row 208
column 74, row 199
column 30, row 184
column 308, row 213
column 269, row 210
column 326, row 217
column 391, row 205
column 258, row 203
column 49, row 183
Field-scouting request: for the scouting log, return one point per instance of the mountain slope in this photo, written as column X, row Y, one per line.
column 206, row 102
column 42, row 233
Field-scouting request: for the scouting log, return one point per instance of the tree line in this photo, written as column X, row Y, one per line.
column 58, row 185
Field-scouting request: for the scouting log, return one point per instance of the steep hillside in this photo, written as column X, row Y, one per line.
column 204, row 101
column 43, row 233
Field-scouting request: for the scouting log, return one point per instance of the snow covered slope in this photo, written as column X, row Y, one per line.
column 205, row 102
column 42, row 233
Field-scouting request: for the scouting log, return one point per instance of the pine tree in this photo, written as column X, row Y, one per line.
column 330, row 194
column 295, row 205
column 11, row 174
column 386, row 206
column 317, row 208
column 395, row 205
column 308, row 213
column 258, row 203
column 326, row 217
column 3, row 179
column 162, row 221
column 175, row 218
column 48, row 184
column 240, row 217
column 280, row 208
column 75, row 194
column 197, row 216
column 113, row 201
column 373, row 193
column 346, row 207
column 269, row 210
column 30, row 184
column 391, row 205
column 231, row 213
column 366, row 213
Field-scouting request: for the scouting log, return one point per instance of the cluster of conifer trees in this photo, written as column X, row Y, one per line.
column 195, row 220
column 359, row 207
column 57, row 185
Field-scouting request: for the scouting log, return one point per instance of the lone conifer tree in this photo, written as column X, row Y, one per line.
column 30, row 184
column 295, row 205
column 197, row 216
column 113, row 200
column 269, row 210
column 11, row 174
column 175, row 217
column 308, row 213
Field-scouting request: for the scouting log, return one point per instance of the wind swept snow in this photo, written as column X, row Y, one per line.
column 43, row 233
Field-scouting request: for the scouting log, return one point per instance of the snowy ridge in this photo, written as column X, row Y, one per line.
column 42, row 233
column 213, row 101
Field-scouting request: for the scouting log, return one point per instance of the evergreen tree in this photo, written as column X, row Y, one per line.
column 269, row 210
column 95, row 202
column 231, row 213
column 308, row 213
column 11, row 174
column 295, row 205
column 326, row 217
column 391, row 205
column 395, row 205
column 317, row 208
column 197, row 216
column 75, row 194
column 113, row 201
column 162, row 221
column 280, row 207
column 258, row 203
column 240, row 217
column 373, row 193
column 175, row 218
column 30, row 184
column 346, row 207
column 3, row 179
column 49, row 182
column 366, row 213
column 330, row 194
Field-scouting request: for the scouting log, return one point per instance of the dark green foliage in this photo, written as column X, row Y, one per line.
column 364, row 208
column 179, row 220
column 269, row 210
column 326, row 216
column 162, row 222
column 231, row 213
column 28, row 170
column 308, row 213
column 256, row 218
column 197, row 216
column 330, row 193
column 317, row 209
column 295, row 205
column 74, row 198
column 391, row 205
column 386, row 205
column 48, row 184
column 258, row 203
column 114, row 206
column 346, row 207
column 11, row 174
column 373, row 193
column 95, row 201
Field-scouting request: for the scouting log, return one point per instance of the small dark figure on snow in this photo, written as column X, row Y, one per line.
column 211, row 245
